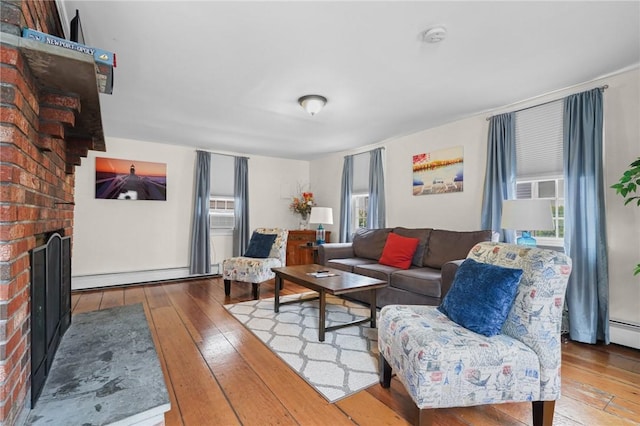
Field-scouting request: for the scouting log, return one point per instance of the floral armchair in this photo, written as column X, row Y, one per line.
column 256, row 270
column 443, row 364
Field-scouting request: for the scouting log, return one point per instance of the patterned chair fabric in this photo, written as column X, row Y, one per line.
column 442, row 364
column 256, row 271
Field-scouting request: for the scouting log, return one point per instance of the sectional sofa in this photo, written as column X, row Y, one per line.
column 429, row 276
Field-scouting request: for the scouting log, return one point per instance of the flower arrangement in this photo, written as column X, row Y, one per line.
column 302, row 205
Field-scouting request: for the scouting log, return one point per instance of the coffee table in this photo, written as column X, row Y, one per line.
column 340, row 283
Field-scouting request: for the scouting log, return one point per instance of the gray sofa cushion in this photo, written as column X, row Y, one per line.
column 425, row 281
column 376, row 270
column 348, row 264
column 329, row 251
column 445, row 246
column 369, row 243
column 421, row 234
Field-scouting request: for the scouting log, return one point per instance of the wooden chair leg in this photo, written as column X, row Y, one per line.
column 385, row 372
column 255, row 290
column 227, row 287
column 543, row 413
column 425, row 417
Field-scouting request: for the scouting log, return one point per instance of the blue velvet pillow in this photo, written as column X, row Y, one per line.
column 481, row 296
column 260, row 245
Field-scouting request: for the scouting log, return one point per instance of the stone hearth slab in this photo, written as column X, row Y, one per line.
column 106, row 372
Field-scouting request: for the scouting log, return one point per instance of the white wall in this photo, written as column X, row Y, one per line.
column 120, row 242
column 123, row 236
column 622, row 146
column 458, row 211
column 461, row 211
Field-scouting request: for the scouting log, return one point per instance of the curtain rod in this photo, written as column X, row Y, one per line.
column 602, row 89
column 220, row 153
column 365, row 152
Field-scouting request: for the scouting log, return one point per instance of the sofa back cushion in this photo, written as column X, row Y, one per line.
column 445, row 246
column 422, row 234
column 369, row 243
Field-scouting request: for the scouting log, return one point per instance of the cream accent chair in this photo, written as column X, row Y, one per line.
column 254, row 270
column 442, row 364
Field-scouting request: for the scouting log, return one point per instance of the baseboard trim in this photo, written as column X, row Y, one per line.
column 624, row 333
column 83, row 282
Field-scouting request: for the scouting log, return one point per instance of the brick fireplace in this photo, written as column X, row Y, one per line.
column 48, row 122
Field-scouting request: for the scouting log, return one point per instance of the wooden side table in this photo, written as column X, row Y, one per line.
column 297, row 251
column 310, row 248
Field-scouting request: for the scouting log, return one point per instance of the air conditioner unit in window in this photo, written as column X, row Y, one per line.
column 222, row 221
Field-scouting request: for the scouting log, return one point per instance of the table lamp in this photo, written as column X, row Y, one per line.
column 526, row 216
column 321, row 215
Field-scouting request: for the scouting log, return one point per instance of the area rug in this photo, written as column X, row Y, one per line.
column 106, row 372
column 346, row 362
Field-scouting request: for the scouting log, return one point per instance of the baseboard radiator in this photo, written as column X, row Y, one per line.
column 83, row 282
column 625, row 333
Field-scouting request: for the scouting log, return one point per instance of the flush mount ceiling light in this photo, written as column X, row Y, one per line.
column 312, row 103
column 434, row 35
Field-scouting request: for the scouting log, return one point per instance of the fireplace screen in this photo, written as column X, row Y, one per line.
column 50, row 306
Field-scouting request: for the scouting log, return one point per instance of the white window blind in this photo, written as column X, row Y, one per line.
column 222, row 216
column 222, row 175
column 539, row 141
column 361, row 173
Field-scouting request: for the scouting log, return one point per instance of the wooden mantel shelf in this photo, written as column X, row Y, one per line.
column 67, row 71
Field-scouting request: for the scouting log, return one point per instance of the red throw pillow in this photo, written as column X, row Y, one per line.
column 398, row 251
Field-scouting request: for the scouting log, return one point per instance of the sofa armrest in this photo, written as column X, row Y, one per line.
column 330, row 251
column 448, row 273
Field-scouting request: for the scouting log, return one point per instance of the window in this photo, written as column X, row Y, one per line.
column 360, row 195
column 539, row 163
column 359, row 207
column 221, row 200
column 549, row 189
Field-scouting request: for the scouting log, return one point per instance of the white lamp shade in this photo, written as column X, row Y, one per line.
column 322, row 215
column 527, row 215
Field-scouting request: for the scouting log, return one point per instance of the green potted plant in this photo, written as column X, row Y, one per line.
column 627, row 186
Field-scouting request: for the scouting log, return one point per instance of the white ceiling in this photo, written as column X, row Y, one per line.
column 226, row 76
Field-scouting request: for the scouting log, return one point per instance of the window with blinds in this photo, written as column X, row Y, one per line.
column 360, row 195
column 539, row 163
column 361, row 173
column 539, row 141
column 221, row 202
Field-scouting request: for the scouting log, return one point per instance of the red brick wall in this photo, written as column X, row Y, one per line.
column 36, row 189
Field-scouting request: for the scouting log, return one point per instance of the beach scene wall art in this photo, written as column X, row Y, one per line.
column 119, row 179
column 438, row 172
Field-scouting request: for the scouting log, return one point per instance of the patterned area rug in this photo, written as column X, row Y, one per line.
column 346, row 362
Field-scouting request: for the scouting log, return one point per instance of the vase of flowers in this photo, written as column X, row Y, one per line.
column 302, row 206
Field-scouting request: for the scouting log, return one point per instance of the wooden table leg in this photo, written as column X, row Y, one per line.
column 276, row 299
column 372, row 305
column 323, row 309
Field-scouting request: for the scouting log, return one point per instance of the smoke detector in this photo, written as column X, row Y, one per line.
column 434, row 35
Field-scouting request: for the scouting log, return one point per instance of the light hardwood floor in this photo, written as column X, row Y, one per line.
column 218, row 373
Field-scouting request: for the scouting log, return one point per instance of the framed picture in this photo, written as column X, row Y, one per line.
column 118, row 179
column 438, row 172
